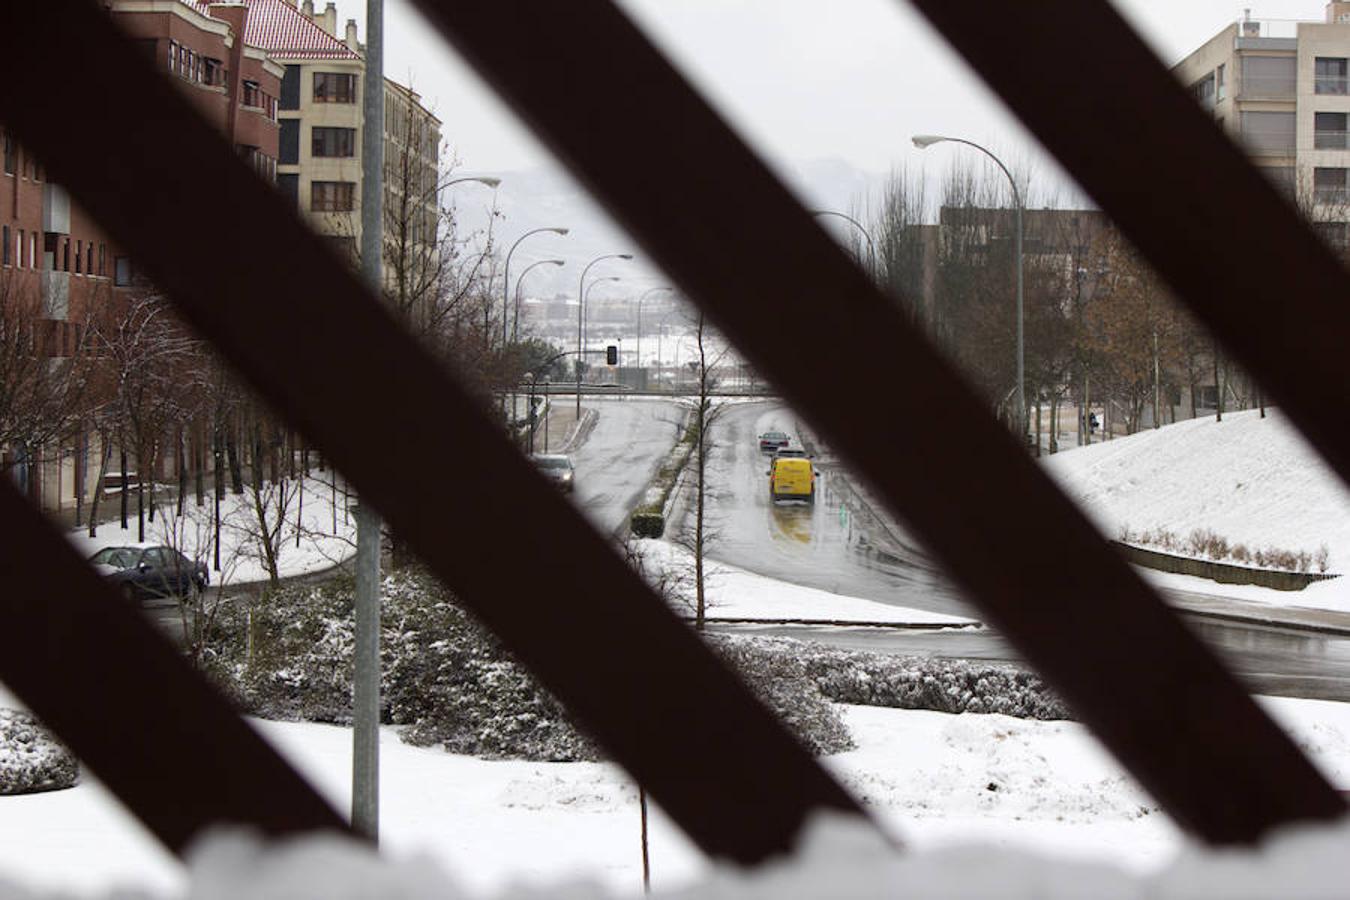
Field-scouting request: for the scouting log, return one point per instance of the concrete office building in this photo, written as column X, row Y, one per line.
column 1282, row 90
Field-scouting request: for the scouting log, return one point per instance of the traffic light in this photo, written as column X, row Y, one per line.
column 612, row 355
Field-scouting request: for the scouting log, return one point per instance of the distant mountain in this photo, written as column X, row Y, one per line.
column 550, row 197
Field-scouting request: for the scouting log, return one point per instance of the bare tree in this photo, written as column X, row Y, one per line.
column 706, row 415
column 44, row 373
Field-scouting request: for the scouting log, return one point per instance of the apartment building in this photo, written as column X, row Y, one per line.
column 53, row 251
column 1282, row 90
column 321, row 120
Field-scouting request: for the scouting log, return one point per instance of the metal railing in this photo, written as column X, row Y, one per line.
column 657, row 700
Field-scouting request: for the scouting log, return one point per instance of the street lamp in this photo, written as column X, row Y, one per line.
column 586, row 305
column 654, row 290
column 581, row 305
column 871, row 245
column 481, row 179
column 924, row 141
column 515, row 316
column 506, row 274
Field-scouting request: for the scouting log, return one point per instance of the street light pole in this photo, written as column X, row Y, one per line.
column 639, row 323
column 515, row 315
column 923, row 141
column 506, row 274
column 871, row 245
column 581, row 305
column 480, row 179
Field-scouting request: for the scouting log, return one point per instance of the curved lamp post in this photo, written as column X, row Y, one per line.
column 506, row 274
column 481, row 179
column 581, row 306
column 924, row 141
column 515, row 314
column 871, row 245
column 645, row 295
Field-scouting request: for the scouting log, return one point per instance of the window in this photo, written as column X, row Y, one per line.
column 331, row 196
column 333, row 142
column 290, row 141
column 1220, row 84
column 4, row 242
column 1329, row 131
column 1329, row 185
column 89, row 258
column 1268, row 132
column 290, row 188
column 334, row 87
column 20, row 242
column 1268, row 76
column 344, row 246
column 213, row 71
column 290, row 88
column 32, row 250
column 1330, row 74
column 121, row 271
column 252, row 95
column 79, row 256
column 102, row 259
column 173, row 56
column 9, row 154
column 1204, row 91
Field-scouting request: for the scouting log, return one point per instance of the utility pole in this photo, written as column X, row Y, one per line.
column 366, row 687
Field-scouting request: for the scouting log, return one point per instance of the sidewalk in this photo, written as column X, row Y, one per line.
column 560, row 430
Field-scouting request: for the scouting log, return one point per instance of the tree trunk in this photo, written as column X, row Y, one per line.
column 236, row 466
column 105, row 459
column 1218, row 388
column 126, row 488
column 199, row 463
column 1038, row 426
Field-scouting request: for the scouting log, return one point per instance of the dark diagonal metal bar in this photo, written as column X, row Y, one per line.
column 1231, row 247
column 734, row 239
column 292, row 318
column 100, row 676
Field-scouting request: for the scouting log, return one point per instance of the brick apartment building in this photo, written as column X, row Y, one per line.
column 54, row 251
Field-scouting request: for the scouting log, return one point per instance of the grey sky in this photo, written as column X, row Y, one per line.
column 802, row 79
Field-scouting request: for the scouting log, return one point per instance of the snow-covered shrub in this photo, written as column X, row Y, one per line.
column 944, row 685
column 31, row 760
column 445, row 678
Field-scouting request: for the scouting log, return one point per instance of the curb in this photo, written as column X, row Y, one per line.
column 842, row 623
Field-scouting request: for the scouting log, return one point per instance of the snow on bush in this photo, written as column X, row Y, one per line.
column 445, row 678
column 31, row 760
column 943, row 685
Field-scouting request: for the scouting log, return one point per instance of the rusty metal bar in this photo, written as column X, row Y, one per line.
column 137, row 715
column 289, row 316
column 711, row 214
column 1235, row 251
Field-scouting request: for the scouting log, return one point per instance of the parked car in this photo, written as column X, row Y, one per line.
column 791, row 478
column 770, row 441
column 558, row 469
column 151, row 572
column 790, row 452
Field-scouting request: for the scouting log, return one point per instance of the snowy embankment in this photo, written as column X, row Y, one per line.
column 314, row 509
column 734, row 593
column 1248, row 480
column 939, row 782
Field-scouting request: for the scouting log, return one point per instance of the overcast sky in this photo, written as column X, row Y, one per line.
column 801, row 79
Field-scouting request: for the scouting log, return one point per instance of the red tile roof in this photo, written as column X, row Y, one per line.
column 284, row 32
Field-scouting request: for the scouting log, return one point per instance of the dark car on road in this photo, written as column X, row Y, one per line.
column 557, row 468
column 151, row 572
column 770, row 441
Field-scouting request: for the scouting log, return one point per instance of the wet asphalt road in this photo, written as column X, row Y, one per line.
column 829, row 546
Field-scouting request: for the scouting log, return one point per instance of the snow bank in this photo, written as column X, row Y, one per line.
column 1250, row 480
column 838, row 858
column 735, row 593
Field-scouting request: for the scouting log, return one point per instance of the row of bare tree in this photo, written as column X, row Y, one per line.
column 1100, row 329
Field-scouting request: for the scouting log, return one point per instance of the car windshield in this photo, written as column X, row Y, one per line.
column 553, row 462
column 117, row 557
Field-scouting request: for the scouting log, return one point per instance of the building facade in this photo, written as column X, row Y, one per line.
column 54, row 252
column 1281, row 89
column 322, row 121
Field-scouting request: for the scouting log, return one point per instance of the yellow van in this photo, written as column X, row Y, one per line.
column 792, row 478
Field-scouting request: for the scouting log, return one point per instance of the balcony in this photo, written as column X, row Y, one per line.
column 1267, row 87
column 55, row 294
column 55, row 209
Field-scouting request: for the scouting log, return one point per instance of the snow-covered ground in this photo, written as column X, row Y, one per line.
column 935, row 780
column 732, row 592
column 1250, row 480
column 327, row 530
